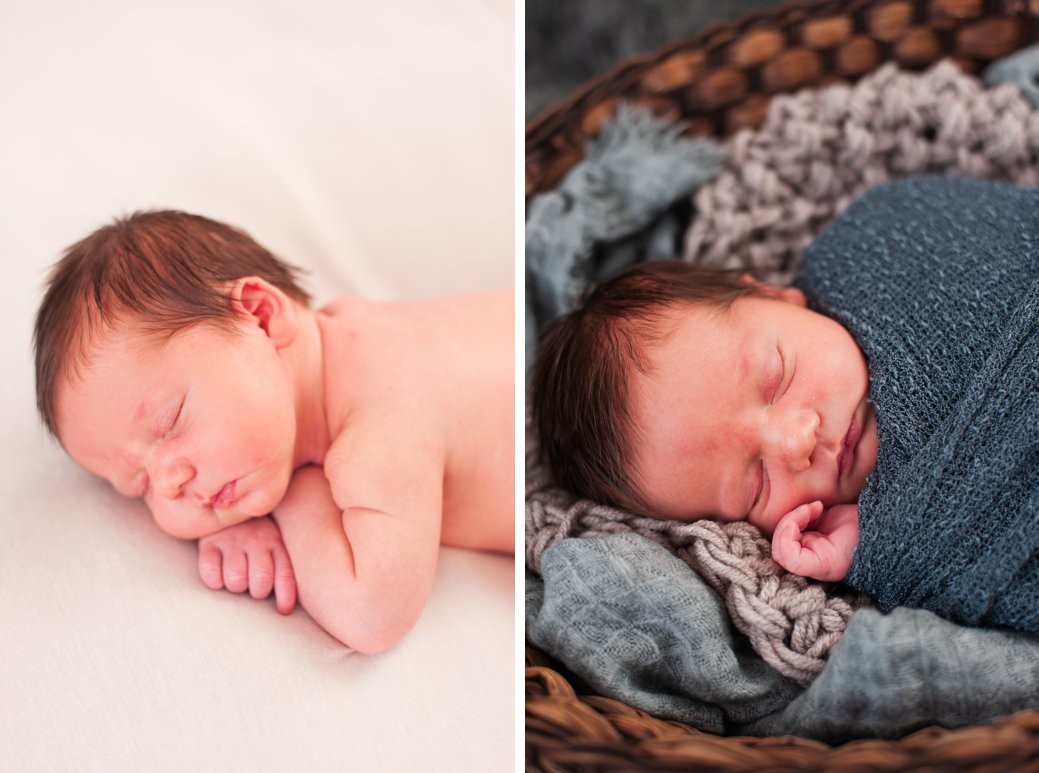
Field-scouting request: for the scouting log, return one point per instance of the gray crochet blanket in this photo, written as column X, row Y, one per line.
column 936, row 279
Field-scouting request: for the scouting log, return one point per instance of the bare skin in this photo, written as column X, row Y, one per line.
column 371, row 433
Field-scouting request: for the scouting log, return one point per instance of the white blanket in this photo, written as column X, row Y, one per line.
column 374, row 148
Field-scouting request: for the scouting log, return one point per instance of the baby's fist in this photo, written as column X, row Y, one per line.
column 815, row 542
column 249, row 556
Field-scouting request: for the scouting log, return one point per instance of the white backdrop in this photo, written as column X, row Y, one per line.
column 372, row 147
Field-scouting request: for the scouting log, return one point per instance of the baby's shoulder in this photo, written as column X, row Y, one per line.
column 378, row 322
column 379, row 446
column 423, row 320
column 348, row 310
column 358, row 335
column 376, row 364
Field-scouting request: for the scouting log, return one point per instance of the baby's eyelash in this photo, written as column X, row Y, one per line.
column 787, row 369
column 176, row 419
column 759, row 499
column 779, row 377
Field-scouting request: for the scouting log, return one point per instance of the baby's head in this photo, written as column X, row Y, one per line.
column 684, row 392
column 156, row 364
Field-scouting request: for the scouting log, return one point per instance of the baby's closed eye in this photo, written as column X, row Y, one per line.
column 172, row 421
column 780, row 375
column 761, row 489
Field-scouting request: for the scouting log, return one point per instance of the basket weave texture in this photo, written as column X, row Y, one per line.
column 722, row 79
column 718, row 82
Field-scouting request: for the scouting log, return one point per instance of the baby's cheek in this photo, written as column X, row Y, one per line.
column 263, row 494
column 273, row 443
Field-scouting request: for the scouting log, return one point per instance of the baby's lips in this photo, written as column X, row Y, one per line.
column 225, row 496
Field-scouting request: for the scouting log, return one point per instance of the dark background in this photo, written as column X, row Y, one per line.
column 571, row 41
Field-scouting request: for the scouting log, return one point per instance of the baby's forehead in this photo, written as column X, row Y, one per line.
column 96, row 339
column 133, row 336
column 102, row 355
column 656, row 331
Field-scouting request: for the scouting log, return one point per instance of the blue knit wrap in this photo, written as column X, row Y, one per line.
column 937, row 280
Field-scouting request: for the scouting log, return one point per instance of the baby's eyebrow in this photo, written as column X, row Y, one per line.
column 149, row 413
column 142, row 411
column 753, row 366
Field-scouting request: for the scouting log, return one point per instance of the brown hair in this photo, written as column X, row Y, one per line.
column 168, row 269
column 579, row 390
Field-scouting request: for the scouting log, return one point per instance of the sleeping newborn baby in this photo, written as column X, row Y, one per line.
column 179, row 360
column 685, row 393
column 712, row 396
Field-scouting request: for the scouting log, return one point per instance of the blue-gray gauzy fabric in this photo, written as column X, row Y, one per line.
column 1020, row 68
column 640, row 626
column 892, row 674
column 936, row 279
column 616, row 198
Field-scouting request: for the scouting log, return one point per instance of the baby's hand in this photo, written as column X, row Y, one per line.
column 249, row 556
column 823, row 553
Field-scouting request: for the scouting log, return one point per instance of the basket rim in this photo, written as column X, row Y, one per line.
column 547, row 119
column 554, row 131
column 622, row 735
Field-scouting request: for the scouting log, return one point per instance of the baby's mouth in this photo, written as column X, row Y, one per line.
column 224, row 497
column 847, row 456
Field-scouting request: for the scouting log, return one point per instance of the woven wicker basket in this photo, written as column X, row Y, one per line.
column 718, row 82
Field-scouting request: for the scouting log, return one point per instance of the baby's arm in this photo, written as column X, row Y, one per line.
column 249, row 556
column 825, row 551
column 365, row 539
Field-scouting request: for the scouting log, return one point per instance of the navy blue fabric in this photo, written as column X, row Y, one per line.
column 936, row 279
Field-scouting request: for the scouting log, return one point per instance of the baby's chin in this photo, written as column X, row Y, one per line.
column 253, row 504
column 199, row 522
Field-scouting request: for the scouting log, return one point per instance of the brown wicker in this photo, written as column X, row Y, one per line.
column 567, row 731
column 722, row 79
column 719, row 81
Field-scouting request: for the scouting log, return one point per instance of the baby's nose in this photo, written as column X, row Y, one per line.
column 171, row 477
column 790, row 436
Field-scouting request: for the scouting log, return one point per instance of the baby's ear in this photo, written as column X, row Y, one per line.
column 785, row 294
column 791, row 295
column 257, row 302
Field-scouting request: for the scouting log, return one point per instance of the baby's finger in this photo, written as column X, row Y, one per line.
column 261, row 575
column 804, row 515
column 210, row 566
column 284, row 581
column 236, row 571
column 785, row 544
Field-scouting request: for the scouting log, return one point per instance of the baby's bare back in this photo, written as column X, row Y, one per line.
column 440, row 370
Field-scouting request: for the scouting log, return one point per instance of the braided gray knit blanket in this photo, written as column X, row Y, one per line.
column 938, row 280
column 820, row 149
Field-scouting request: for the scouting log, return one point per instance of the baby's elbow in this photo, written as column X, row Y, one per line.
column 373, row 624
column 377, row 639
